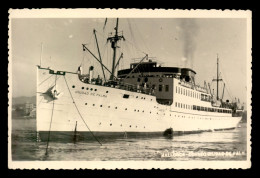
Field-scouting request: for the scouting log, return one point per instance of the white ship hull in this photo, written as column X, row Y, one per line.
column 104, row 110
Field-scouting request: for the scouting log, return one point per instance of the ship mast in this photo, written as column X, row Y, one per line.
column 218, row 79
column 113, row 40
column 217, row 76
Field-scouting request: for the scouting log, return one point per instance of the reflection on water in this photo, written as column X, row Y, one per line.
column 25, row 147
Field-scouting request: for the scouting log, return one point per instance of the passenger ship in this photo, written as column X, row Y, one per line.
column 144, row 100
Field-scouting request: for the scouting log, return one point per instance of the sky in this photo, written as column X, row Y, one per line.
column 181, row 42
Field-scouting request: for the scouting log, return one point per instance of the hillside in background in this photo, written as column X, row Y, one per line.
column 23, row 100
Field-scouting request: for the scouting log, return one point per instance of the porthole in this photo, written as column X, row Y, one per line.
column 73, row 86
column 110, row 124
column 86, row 103
column 95, row 89
column 100, row 105
column 115, row 107
column 106, row 91
column 125, row 108
column 130, row 126
column 91, row 89
column 82, row 88
column 141, row 97
column 137, row 110
column 143, row 110
column 108, row 106
column 87, row 88
column 136, row 96
column 93, row 104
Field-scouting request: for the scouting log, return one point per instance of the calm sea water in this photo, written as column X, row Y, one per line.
column 203, row 146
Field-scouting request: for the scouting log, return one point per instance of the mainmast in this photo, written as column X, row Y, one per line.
column 218, row 79
column 113, row 40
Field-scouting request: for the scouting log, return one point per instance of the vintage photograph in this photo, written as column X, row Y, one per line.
column 104, row 88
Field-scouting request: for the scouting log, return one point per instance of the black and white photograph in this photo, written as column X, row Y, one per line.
column 129, row 88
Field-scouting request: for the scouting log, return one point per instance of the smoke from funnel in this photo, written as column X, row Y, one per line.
column 189, row 30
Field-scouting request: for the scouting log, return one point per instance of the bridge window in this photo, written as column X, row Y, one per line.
column 160, row 88
column 167, row 88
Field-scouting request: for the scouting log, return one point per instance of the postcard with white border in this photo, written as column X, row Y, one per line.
column 129, row 89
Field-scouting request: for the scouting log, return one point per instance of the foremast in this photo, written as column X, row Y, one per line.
column 113, row 40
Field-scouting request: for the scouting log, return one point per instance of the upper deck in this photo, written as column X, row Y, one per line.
column 152, row 69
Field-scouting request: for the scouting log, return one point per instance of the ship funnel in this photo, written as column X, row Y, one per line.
column 91, row 68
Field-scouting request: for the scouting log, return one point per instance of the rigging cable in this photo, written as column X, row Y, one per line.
column 227, row 86
column 45, row 80
column 142, row 38
column 49, row 133
column 80, row 113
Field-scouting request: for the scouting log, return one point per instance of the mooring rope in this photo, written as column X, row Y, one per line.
column 49, row 133
column 80, row 113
